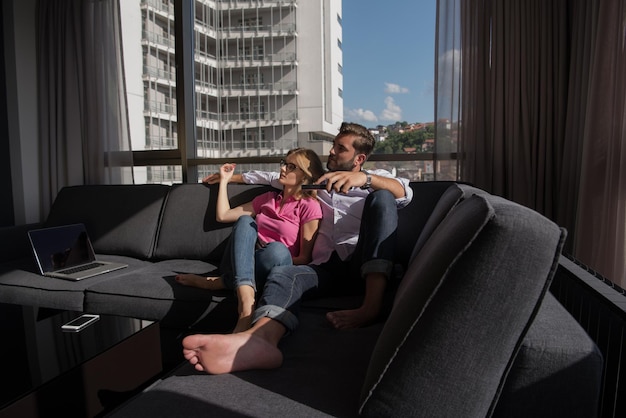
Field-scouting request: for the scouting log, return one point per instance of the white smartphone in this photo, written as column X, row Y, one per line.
column 79, row 323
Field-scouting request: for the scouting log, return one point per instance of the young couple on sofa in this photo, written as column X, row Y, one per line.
column 341, row 237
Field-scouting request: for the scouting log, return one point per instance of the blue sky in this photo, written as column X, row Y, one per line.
column 388, row 61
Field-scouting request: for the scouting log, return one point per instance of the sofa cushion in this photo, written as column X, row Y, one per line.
column 454, row 235
column 321, row 375
column 120, row 219
column 21, row 283
column 413, row 218
column 448, row 200
column 484, row 298
column 153, row 293
column 557, row 372
column 189, row 228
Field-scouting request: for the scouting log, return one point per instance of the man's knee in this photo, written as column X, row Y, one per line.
column 382, row 203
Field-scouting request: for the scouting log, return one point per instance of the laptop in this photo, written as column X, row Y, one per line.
column 66, row 252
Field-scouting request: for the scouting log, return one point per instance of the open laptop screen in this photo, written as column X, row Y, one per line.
column 61, row 247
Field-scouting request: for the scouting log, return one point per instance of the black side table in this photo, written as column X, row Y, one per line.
column 50, row 372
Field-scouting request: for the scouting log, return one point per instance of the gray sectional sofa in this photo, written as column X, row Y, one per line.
column 471, row 328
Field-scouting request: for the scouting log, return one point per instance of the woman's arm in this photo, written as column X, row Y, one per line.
column 308, row 233
column 223, row 211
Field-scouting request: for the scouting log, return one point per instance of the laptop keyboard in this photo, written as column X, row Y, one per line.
column 81, row 268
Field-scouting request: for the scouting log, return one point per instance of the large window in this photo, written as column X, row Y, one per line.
column 270, row 76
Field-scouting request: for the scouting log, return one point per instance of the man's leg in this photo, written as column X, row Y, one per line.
column 257, row 347
column 372, row 259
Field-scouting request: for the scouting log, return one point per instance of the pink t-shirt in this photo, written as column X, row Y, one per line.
column 283, row 224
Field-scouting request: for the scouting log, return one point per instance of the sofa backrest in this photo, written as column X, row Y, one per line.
column 414, row 217
column 446, row 202
column 120, row 219
column 189, row 228
column 461, row 311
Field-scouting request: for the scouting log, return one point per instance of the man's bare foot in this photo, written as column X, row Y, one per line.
column 218, row 354
column 202, row 282
column 352, row 318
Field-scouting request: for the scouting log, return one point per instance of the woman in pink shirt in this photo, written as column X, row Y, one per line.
column 275, row 228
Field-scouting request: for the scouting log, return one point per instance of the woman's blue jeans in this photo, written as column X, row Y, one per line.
column 374, row 253
column 245, row 262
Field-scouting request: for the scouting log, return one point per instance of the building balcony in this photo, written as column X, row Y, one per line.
column 160, row 110
column 259, row 60
column 166, row 11
column 206, row 89
column 241, row 120
column 255, row 4
column 265, row 89
column 159, row 75
column 165, row 42
column 238, row 32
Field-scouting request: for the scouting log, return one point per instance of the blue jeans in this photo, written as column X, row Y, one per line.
column 374, row 253
column 246, row 263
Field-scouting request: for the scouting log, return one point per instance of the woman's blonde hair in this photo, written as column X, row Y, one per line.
column 311, row 165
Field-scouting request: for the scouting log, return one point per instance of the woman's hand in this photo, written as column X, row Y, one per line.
column 226, row 171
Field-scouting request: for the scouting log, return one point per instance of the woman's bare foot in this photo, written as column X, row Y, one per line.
column 202, row 282
column 218, row 354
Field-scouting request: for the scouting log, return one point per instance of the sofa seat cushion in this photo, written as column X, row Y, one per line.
column 464, row 323
column 153, row 293
column 558, row 369
column 120, row 219
column 321, row 375
column 21, row 283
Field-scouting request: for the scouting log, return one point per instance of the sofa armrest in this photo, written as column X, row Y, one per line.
column 14, row 243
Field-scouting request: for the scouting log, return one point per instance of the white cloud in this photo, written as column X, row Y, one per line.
column 361, row 115
column 391, row 88
column 392, row 111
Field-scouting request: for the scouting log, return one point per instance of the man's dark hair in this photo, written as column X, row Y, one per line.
column 364, row 144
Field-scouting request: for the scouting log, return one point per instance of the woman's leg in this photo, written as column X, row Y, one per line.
column 241, row 271
column 271, row 255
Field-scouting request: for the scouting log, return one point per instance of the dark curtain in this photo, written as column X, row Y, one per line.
column 84, row 136
column 540, row 112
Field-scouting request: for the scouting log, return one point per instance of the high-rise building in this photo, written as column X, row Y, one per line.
column 267, row 77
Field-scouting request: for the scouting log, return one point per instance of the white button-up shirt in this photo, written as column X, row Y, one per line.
column 341, row 214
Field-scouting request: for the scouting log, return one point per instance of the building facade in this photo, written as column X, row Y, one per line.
column 268, row 77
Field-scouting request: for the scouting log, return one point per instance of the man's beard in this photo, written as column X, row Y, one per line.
column 347, row 166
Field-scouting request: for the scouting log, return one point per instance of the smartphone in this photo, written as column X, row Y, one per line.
column 79, row 323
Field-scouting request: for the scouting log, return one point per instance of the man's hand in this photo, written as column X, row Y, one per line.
column 212, row 178
column 343, row 181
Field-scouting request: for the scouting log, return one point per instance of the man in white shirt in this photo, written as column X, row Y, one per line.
column 353, row 250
